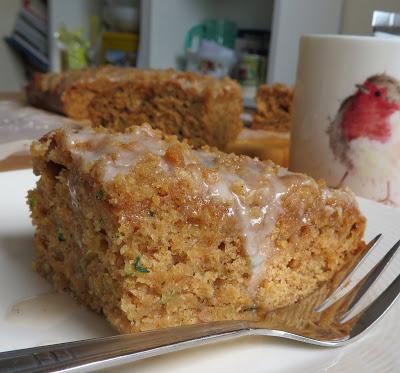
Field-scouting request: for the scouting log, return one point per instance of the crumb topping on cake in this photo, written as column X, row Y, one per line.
column 115, row 74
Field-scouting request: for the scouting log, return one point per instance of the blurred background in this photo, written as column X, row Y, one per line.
column 253, row 41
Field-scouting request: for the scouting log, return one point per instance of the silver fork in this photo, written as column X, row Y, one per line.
column 323, row 318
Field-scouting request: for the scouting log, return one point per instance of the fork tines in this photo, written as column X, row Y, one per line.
column 379, row 306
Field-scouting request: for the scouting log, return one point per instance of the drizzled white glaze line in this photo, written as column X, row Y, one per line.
column 117, row 153
column 258, row 210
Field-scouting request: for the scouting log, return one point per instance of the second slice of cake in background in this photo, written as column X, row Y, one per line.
column 274, row 108
column 201, row 109
column 267, row 134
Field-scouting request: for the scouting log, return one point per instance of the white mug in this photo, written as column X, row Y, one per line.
column 346, row 124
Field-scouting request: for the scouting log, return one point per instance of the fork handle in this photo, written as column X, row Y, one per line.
column 111, row 351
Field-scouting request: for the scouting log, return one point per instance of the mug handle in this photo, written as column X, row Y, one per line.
column 195, row 31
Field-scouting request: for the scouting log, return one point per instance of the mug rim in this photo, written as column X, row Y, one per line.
column 342, row 37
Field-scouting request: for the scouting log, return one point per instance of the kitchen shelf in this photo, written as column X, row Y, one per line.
column 164, row 23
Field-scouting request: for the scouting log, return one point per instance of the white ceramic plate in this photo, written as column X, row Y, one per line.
column 31, row 314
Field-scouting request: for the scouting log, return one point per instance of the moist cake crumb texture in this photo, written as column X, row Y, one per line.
column 152, row 233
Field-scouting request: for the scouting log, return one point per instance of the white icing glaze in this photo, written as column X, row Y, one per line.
column 118, row 153
column 252, row 191
column 257, row 207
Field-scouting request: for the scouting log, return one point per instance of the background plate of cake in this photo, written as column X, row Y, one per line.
column 32, row 313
